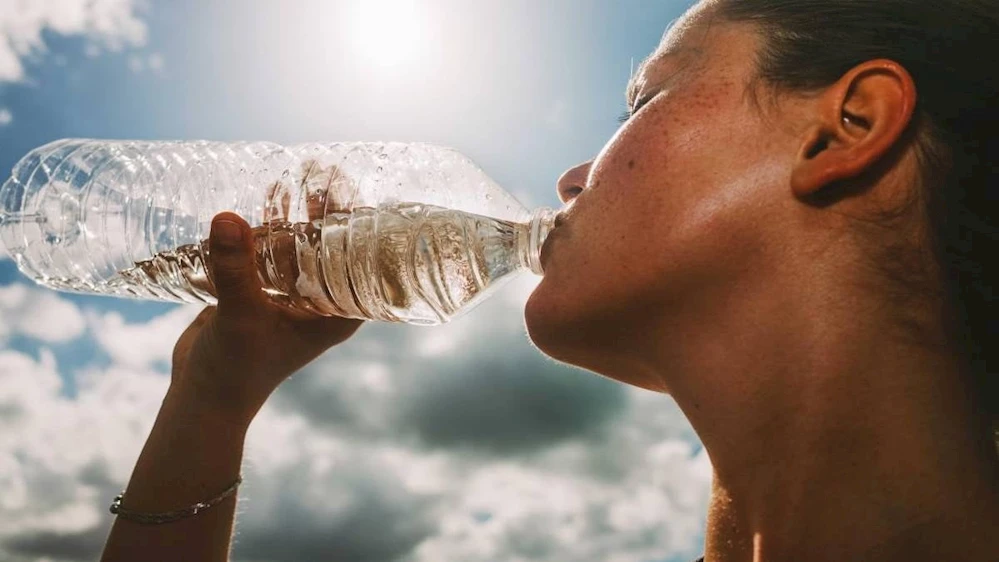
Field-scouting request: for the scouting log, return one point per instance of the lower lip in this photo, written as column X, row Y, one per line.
column 546, row 248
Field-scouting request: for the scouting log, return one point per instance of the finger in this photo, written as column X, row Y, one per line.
column 231, row 261
column 317, row 198
column 285, row 204
column 340, row 192
column 272, row 212
column 315, row 205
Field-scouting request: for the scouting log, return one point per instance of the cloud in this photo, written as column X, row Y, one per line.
column 505, row 403
column 110, row 24
column 138, row 63
column 155, row 62
column 38, row 313
column 383, row 450
column 489, row 451
column 336, row 502
column 61, row 460
column 141, row 345
column 476, row 384
column 543, row 512
column 5, row 117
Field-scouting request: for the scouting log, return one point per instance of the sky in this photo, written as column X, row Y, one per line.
column 410, row 444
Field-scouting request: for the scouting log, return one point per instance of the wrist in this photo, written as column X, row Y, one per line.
column 210, row 407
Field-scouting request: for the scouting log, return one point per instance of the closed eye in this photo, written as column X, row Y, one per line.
column 628, row 113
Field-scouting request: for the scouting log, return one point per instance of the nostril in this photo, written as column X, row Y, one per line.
column 573, row 182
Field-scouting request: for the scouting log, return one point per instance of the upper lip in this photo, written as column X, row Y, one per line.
column 546, row 246
column 563, row 214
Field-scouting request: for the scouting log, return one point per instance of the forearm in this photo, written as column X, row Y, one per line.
column 193, row 453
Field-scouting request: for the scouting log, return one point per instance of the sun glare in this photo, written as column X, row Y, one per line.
column 389, row 34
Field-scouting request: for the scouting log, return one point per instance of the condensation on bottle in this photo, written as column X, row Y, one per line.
column 397, row 232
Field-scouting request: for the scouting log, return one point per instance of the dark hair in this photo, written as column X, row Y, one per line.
column 949, row 48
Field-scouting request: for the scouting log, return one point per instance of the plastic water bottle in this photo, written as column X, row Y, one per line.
column 382, row 231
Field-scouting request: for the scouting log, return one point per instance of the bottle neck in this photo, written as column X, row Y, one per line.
column 541, row 224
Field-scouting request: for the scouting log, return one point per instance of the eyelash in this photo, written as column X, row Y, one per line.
column 628, row 113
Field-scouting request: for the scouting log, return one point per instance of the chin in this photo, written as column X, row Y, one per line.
column 540, row 321
column 547, row 317
column 563, row 329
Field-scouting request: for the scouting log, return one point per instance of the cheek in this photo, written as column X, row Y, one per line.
column 673, row 214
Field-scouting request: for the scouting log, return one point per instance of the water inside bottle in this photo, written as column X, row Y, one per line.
column 408, row 262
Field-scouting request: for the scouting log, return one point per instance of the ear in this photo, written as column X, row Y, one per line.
column 857, row 122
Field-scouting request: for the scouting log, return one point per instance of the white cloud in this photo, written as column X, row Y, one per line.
column 38, row 313
column 547, row 509
column 638, row 492
column 141, row 345
column 136, row 63
column 357, row 482
column 111, row 24
column 5, row 117
column 557, row 507
column 61, row 460
column 155, row 62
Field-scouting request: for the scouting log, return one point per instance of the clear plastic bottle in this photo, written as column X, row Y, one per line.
column 382, row 231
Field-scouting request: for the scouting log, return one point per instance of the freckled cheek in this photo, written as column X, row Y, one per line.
column 630, row 193
column 658, row 165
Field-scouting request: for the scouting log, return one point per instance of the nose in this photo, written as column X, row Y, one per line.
column 573, row 182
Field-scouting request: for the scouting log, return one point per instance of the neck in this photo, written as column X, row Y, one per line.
column 839, row 444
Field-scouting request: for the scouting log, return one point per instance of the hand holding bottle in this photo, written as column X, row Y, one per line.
column 396, row 232
column 234, row 355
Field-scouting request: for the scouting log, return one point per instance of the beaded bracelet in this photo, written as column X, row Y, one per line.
column 170, row 516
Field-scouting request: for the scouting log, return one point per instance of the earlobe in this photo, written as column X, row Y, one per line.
column 857, row 121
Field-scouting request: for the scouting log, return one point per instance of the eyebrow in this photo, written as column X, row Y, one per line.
column 631, row 90
column 634, row 85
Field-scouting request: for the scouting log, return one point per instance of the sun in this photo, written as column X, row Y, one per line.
column 389, row 34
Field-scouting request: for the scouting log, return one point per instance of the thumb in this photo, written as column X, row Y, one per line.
column 231, row 260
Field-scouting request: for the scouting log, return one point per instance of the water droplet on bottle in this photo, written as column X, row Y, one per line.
column 489, row 197
column 380, row 169
column 383, row 156
column 285, row 174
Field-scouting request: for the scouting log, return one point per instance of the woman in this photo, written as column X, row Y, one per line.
column 793, row 235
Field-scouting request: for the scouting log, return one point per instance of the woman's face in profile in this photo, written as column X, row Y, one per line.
column 671, row 213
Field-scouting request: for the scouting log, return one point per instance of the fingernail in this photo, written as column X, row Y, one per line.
column 227, row 233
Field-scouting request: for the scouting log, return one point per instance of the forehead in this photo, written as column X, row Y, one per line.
column 682, row 31
column 691, row 42
column 678, row 46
